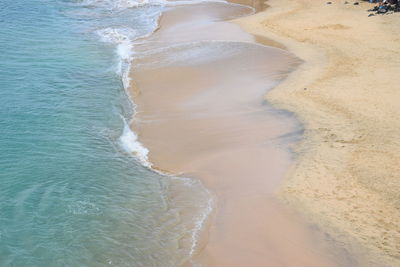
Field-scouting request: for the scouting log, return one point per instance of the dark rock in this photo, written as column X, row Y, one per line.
column 328, row 3
column 356, row 3
column 371, row 15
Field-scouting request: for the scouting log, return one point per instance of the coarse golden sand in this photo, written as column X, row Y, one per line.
column 346, row 178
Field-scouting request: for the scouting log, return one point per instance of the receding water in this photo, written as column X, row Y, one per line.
column 70, row 195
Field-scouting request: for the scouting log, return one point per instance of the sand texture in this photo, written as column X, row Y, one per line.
column 347, row 93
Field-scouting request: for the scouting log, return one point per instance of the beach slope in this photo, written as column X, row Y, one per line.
column 346, row 178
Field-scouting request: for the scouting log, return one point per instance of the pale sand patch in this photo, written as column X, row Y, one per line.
column 347, row 93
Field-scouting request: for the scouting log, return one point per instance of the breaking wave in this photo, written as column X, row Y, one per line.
column 125, row 4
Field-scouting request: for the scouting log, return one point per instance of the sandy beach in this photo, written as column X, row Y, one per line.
column 199, row 84
column 347, row 93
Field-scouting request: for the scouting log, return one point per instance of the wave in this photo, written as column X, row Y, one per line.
column 129, row 142
column 125, row 4
column 120, row 4
column 122, row 38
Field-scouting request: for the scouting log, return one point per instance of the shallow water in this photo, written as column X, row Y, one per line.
column 71, row 193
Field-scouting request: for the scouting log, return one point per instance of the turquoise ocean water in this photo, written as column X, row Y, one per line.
column 72, row 193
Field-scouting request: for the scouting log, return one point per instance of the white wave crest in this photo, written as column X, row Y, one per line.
column 122, row 38
column 125, row 4
column 129, row 142
column 121, row 4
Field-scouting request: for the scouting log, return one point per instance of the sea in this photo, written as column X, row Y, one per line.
column 76, row 186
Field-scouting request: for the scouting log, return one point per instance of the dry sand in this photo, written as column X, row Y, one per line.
column 347, row 93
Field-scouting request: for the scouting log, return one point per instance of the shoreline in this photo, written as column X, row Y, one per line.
column 236, row 125
column 344, row 177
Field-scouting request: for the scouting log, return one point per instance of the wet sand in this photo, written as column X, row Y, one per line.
column 347, row 94
column 198, row 84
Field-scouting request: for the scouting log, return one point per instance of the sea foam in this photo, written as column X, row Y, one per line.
column 121, row 4
column 123, row 38
column 125, row 4
column 129, row 142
